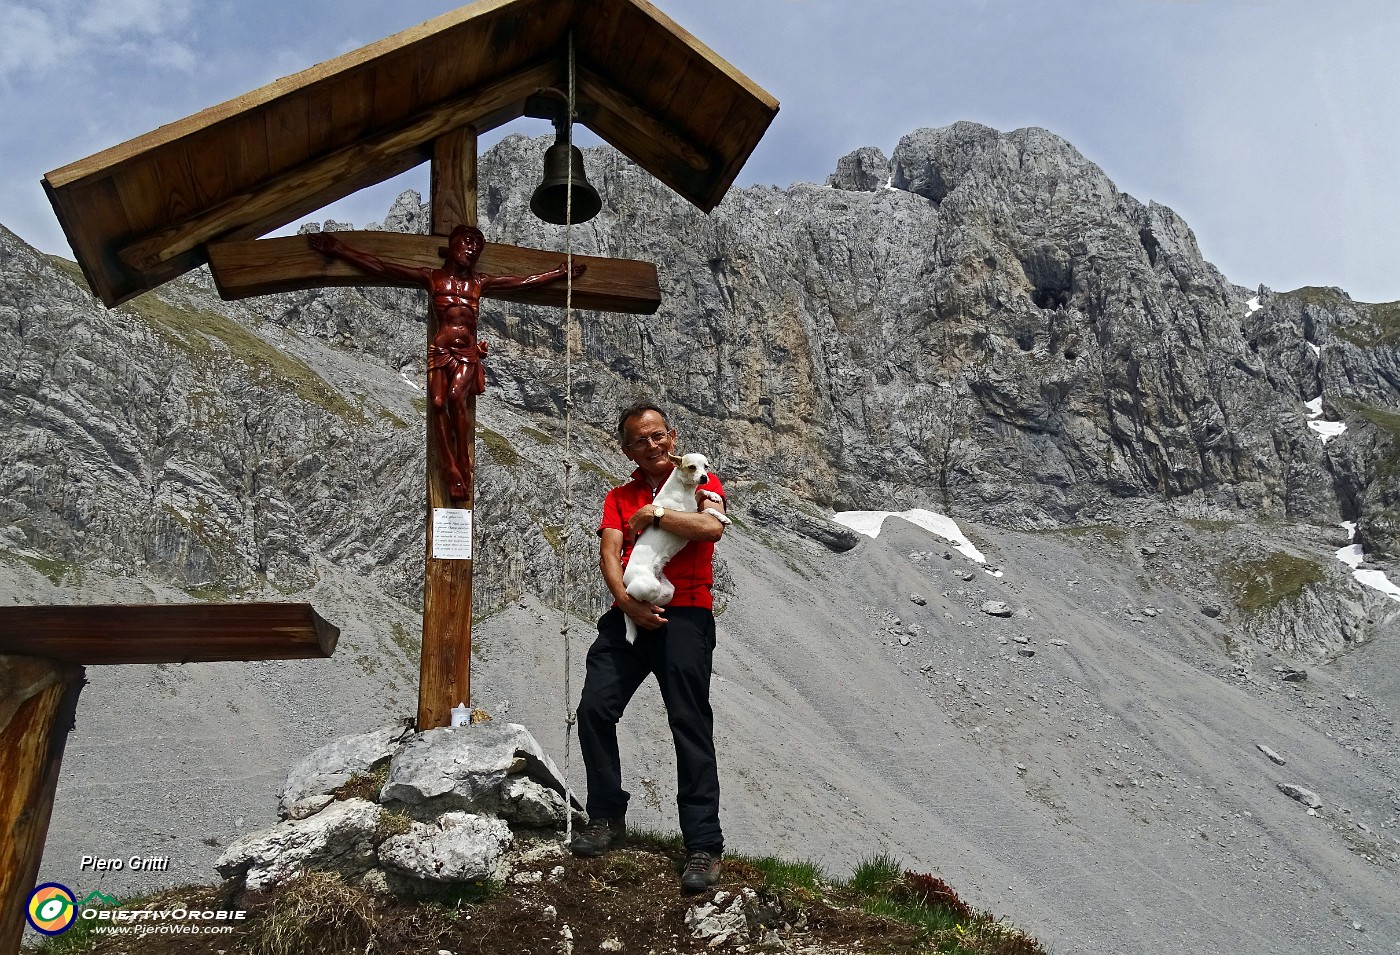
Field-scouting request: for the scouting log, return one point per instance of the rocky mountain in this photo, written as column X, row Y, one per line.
column 981, row 325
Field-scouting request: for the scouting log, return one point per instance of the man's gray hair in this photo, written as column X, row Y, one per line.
column 634, row 409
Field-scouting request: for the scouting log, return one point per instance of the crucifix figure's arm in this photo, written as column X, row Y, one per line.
column 364, row 261
column 492, row 282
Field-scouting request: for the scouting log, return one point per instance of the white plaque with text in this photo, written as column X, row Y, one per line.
column 452, row 533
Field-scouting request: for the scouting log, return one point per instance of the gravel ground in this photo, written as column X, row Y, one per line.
column 1107, row 793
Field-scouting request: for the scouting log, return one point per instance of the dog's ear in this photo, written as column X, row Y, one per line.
column 675, row 458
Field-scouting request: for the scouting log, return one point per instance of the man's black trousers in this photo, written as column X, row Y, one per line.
column 679, row 654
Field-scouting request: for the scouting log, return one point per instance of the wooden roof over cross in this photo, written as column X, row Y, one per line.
column 143, row 212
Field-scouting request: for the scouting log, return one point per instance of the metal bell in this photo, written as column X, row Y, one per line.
column 550, row 200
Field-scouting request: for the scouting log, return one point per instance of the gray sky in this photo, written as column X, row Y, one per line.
column 1272, row 126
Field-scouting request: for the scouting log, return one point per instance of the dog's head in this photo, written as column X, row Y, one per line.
column 694, row 469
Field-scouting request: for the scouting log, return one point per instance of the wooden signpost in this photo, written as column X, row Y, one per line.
column 43, row 651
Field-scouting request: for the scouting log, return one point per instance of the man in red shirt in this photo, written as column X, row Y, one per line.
column 675, row 642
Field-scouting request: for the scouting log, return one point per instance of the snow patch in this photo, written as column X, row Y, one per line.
column 1253, row 305
column 1353, row 556
column 1315, row 350
column 1350, row 528
column 410, row 382
column 870, row 522
column 1377, row 580
column 1327, row 429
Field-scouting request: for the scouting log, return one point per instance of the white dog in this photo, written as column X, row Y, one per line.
column 643, row 578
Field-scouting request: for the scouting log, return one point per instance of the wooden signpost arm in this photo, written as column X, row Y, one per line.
column 38, row 701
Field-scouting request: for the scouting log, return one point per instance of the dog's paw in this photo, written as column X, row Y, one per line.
column 709, row 496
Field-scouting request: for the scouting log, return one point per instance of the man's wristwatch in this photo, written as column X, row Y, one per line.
column 656, row 515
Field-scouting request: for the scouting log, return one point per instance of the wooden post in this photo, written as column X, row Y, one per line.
column 38, row 701
column 444, row 678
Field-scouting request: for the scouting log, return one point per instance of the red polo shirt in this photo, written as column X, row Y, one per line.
column 691, row 570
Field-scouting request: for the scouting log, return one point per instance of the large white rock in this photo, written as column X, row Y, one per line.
column 339, row 837
column 496, row 768
column 458, row 847
column 325, row 770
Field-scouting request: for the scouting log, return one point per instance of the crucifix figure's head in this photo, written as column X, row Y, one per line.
column 464, row 246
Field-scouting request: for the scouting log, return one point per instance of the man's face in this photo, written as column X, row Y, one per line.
column 648, row 443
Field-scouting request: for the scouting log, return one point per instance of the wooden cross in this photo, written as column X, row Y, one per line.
column 257, row 267
column 42, row 654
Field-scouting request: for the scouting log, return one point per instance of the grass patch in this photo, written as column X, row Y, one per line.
column 538, row 435
column 498, row 447
column 51, row 568
column 1379, row 324
column 421, row 405
column 411, row 646
column 316, row 914
column 1267, row 582
column 211, row 593
column 386, row 415
column 392, row 824
column 194, row 332
column 590, row 468
column 554, row 534
column 71, row 269
column 365, row 785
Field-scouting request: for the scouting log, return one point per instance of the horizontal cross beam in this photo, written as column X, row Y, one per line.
column 266, row 266
column 167, row 633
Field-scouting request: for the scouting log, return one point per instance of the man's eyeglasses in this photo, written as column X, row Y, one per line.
column 642, row 443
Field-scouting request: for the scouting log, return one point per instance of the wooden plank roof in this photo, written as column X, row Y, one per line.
column 140, row 213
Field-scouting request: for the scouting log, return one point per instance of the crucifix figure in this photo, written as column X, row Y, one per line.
column 455, row 355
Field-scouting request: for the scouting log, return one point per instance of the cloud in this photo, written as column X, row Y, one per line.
column 37, row 40
column 31, row 40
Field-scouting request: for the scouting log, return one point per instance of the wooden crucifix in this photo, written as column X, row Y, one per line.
column 455, row 276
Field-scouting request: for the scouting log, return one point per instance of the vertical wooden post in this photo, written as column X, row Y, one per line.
column 445, row 663
column 38, row 701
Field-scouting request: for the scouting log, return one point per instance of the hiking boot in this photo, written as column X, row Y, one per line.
column 701, row 871
column 599, row 836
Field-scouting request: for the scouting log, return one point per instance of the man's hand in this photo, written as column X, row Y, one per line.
column 640, row 520
column 647, row 616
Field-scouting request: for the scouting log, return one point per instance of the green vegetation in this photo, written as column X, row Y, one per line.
column 554, row 533
column 593, row 469
column 317, row 912
column 365, row 785
column 50, row 567
column 194, row 332
column 411, row 646
column 421, row 404
column 211, row 592
column 392, row 824
column 1379, row 325
column 71, row 269
column 386, row 415
column 498, row 447
column 1264, row 583
column 1204, row 524
column 538, row 435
